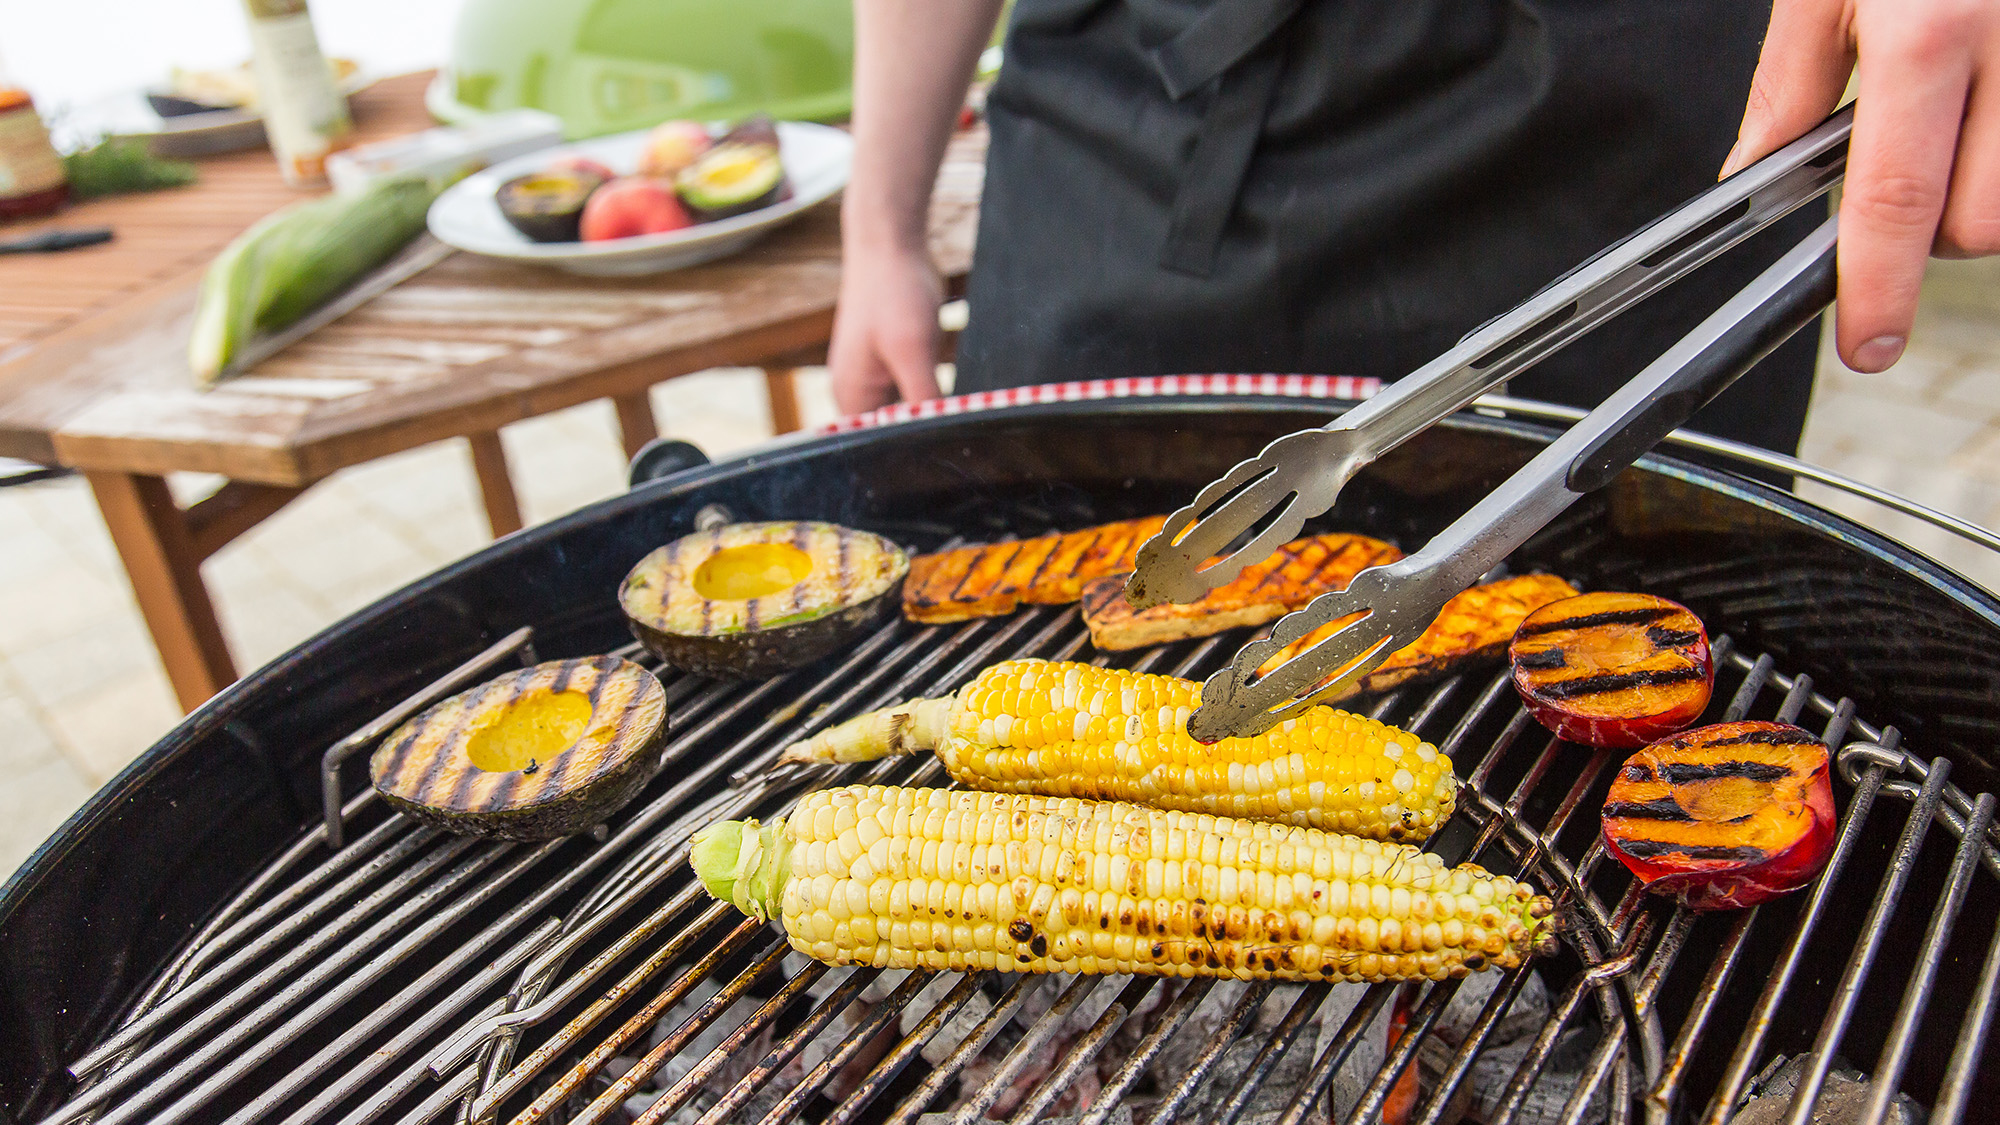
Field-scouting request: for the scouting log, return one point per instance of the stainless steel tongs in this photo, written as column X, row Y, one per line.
column 1299, row 475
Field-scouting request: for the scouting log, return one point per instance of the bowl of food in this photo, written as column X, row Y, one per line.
column 647, row 201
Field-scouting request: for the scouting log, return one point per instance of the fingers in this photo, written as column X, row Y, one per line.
column 1971, row 225
column 1914, row 77
column 882, row 351
column 860, row 380
column 1807, row 57
column 910, row 350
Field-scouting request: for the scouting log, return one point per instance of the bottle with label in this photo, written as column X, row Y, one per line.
column 32, row 181
column 305, row 116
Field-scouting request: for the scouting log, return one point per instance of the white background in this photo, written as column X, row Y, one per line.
column 71, row 52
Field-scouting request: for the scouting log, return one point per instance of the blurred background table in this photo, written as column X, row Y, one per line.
column 93, row 373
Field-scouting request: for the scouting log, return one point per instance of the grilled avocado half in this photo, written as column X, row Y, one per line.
column 732, row 178
column 544, row 752
column 747, row 600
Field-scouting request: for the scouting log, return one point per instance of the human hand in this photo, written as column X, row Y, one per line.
column 885, row 330
column 1923, row 168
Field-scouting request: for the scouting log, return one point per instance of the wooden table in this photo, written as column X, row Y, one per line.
column 93, row 373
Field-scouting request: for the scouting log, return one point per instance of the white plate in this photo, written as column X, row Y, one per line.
column 128, row 115
column 816, row 159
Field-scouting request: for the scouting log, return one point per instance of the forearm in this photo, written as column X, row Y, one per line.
column 913, row 60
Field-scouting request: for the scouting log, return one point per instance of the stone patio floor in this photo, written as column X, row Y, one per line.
column 81, row 692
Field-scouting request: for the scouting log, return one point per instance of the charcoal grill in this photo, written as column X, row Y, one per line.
column 192, row 947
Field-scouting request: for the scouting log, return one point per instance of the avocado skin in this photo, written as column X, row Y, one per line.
column 578, row 810
column 754, row 654
column 559, row 222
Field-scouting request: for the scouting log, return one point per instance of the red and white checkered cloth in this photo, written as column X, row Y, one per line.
column 1283, row 386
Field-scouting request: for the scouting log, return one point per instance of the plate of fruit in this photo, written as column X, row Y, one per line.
column 658, row 199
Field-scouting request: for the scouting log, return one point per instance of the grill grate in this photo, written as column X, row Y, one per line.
column 413, row 976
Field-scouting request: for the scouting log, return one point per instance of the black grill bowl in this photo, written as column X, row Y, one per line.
column 102, row 906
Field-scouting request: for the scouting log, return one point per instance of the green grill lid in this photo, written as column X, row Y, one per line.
column 610, row 66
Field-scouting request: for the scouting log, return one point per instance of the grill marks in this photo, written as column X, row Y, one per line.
column 1709, row 853
column 425, row 762
column 1686, row 773
column 1473, row 627
column 1566, row 623
column 1660, row 808
column 1266, row 590
column 997, row 578
column 1725, row 815
column 849, row 567
column 1613, row 669
column 1604, row 682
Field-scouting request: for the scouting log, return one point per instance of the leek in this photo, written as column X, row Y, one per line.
column 297, row 259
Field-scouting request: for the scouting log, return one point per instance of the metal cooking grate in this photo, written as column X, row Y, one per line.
column 413, row 976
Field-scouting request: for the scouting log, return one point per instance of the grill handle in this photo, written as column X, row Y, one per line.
column 663, row 457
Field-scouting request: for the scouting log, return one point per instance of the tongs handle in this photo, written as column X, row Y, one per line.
column 1299, row 476
column 1782, row 300
column 1401, row 599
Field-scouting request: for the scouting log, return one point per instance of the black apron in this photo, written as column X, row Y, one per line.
column 1349, row 186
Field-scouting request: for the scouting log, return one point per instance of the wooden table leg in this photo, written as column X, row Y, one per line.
column 784, row 396
column 164, row 565
column 496, row 488
column 635, row 421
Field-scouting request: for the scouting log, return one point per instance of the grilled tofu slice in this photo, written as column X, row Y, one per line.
column 992, row 579
column 1295, row 574
column 1474, row 626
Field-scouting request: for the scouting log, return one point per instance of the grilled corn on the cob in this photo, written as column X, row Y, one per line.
column 1076, row 730
column 956, row 879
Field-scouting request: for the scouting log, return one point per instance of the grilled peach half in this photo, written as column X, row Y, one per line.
column 1726, row 816
column 1611, row 669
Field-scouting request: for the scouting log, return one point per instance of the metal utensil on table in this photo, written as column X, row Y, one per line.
column 1399, row 601
column 57, row 240
column 1299, row 475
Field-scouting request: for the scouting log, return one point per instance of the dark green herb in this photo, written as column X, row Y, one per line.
column 115, row 166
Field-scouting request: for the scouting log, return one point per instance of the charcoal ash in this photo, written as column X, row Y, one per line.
column 1477, row 1099
column 1506, row 1044
column 1523, row 1017
column 1843, row 1097
column 1120, row 1116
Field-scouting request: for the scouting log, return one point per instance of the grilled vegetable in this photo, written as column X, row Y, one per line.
column 1726, row 816
column 546, row 206
column 297, row 259
column 754, row 599
column 543, row 752
column 1615, row 670
column 731, row 178
column 1473, row 627
column 1075, row 730
column 953, row 879
column 996, row 578
column 1293, row 575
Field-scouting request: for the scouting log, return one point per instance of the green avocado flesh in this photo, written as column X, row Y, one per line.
column 749, row 600
column 731, row 178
